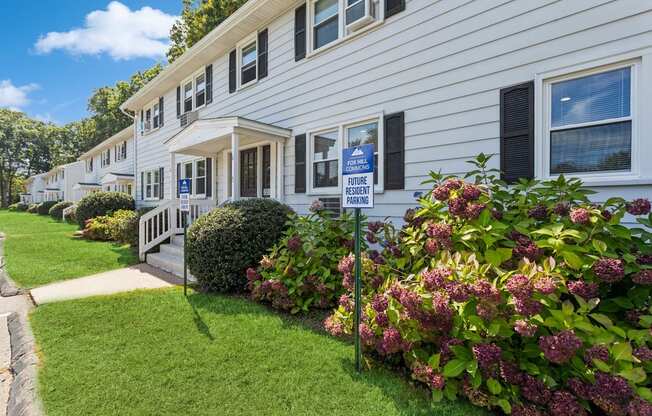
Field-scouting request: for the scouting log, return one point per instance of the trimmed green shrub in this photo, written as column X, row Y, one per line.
column 70, row 216
column 102, row 203
column 300, row 272
column 225, row 242
column 13, row 207
column 98, row 228
column 21, row 207
column 44, row 207
column 123, row 227
column 528, row 298
column 33, row 208
column 56, row 211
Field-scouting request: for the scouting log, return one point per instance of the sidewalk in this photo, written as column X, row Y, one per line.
column 141, row 276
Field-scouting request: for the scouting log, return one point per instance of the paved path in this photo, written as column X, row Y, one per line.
column 137, row 277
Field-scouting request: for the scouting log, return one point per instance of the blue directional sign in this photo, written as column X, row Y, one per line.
column 184, row 186
column 358, row 176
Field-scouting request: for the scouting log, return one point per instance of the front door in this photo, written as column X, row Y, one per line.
column 248, row 173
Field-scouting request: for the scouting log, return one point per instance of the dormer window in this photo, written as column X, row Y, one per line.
column 200, row 90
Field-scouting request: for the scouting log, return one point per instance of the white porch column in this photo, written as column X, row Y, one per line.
column 280, row 171
column 173, row 177
column 235, row 166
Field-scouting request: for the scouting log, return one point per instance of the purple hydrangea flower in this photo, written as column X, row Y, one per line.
column 580, row 216
column 599, row 352
column 583, row 289
column 579, row 388
column 639, row 206
column 436, row 278
column 535, row 390
column 457, row 207
column 527, row 307
column 294, row 243
column 510, row 372
column 375, row 226
column 609, row 270
column 474, row 210
column 441, row 193
column 528, row 250
column 639, row 407
column 371, row 237
column 334, row 327
column 606, row 214
column 644, row 259
column 486, row 310
column 525, row 329
column 496, row 214
column 381, row 319
column 392, row 342
column 565, row 404
column 379, row 303
column 346, row 264
column 431, row 246
column 487, row 355
column 526, row 410
column 367, row 336
column 562, row 209
column 612, row 388
column 545, row 285
column 346, row 302
column 539, row 212
column 458, row 292
column 644, row 277
column 316, row 206
column 519, row 286
column 561, row 347
column 471, row 192
column 483, row 289
column 643, row 353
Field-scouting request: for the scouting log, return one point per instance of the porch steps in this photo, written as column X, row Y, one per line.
column 170, row 258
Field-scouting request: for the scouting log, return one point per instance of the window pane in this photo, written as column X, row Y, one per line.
column 201, row 168
column 325, row 146
column 188, row 170
column 365, row 134
column 187, row 90
column 249, row 54
column 200, row 185
column 326, row 32
column 325, row 174
column 592, row 98
column 199, row 82
column 325, row 9
column 248, row 74
column 355, row 10
column 591, row 149
column 200, row 99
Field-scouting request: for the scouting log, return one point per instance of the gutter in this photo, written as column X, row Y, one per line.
column 135, row 124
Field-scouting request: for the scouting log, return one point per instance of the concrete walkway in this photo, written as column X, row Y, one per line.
column 141, row 276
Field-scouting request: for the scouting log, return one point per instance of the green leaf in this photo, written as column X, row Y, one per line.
column 622, row 351
column 393, row 315
column 567, row 308
column 600, row 246
column 454, row 368
column 494, row 386
column 504, row 404
column 603, row 319
column 572, row 259
column 635, row 375
column 437, row 396
column 645, row 393
column 461, row 352
column 601, row 365
column 434, row 360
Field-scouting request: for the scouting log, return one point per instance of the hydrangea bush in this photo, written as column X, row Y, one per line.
column 526, row 298
column 300, row 272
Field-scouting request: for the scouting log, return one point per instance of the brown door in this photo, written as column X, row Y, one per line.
column 248, row 177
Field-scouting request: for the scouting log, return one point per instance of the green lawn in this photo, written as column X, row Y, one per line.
column 159, row 353
column 40, row 250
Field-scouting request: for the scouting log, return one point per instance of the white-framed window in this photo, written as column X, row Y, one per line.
column 156, row 116
column 148, row 119
column 590, row 122
column 200, row 90
column 196, row 171
column 89, row 165
column 187, row 96
column 332, row 20
column 152, row 184
column 105, row 158
column 121, row 151
column 325, row 149
column 248, row 61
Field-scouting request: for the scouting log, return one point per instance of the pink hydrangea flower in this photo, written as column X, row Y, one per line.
column 639, row 206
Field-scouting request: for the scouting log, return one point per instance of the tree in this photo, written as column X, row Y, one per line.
column 197, row 19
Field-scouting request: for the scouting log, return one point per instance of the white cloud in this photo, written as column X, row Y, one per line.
column 117, row 31
column 15, row 97
column 46, row 118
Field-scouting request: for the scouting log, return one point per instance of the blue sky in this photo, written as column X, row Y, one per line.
column 58, row 51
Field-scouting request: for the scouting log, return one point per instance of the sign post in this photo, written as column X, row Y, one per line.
column 357, row 193
column 184, row 208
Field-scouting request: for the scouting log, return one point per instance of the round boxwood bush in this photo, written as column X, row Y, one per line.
column 33, row 208
column 225, row 242
column 44, row 207
column 102, row 203
column 56, row 211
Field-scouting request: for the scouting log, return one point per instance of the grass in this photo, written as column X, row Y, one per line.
column 161, row 353
column 40, row 250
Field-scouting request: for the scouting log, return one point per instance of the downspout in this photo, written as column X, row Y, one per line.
column 134, row 171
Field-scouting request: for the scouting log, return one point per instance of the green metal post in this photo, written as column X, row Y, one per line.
column 358, row 292
column 185, row 255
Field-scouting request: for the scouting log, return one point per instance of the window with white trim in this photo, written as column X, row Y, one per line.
column 248, row 61
column 325, row 151
column 89, row 165
column 200, row 90
column 105, row 158
column 331, row 20
column 156, row 116
column 120, row 151
column 148, row 119
column 187, row 97
column 589, row 128
column 196, row 172
column 152, row 184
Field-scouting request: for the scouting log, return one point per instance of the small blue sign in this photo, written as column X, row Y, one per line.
column 184, row 186
column 358, row 159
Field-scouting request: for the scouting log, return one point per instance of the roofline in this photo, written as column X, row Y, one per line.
column 213, row 36
column 122, row 134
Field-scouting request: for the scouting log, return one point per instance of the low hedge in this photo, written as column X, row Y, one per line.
column 225, row 242
column 102, row 203
column 44, row 207
column 56, row 212
column 33, row 208
column 19, row 207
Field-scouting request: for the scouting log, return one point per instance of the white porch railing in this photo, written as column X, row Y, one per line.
column 164, row 221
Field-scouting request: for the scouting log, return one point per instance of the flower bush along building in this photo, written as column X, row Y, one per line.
column 526, row 298
column 300, row 271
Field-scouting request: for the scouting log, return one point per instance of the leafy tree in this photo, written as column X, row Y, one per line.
column 197, row 19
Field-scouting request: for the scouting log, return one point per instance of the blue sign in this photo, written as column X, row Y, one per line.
column 184, row 186
column 358, row 177
column 358, row 159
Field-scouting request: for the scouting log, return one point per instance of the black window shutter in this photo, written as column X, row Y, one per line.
column 160, row 112
column 142, row 186
column 178, row 101
column 393, row 7
column 178, row 177
column 262, row 53
column 161, row 182
column 300, row 33
column 517, row 132
column 232, row 72
column 142, row 122
column 108, row 157
column 300, row 164
column 395, row 151
column 209, row 177
column 209, row 83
